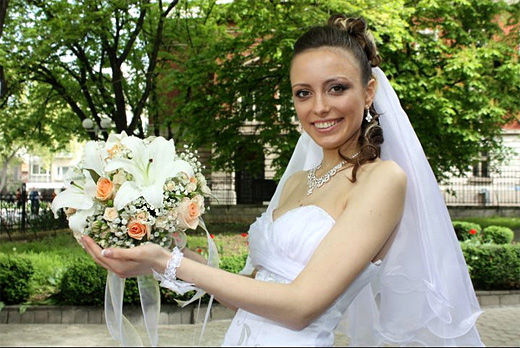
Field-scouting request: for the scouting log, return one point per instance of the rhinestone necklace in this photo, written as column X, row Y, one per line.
column 313, row 182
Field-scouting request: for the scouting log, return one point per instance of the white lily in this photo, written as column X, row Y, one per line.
column 151, row 164
column 79, row 193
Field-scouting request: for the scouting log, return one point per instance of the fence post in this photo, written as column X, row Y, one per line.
column 24, row 200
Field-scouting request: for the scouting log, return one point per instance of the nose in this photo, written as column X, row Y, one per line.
column 321, row 106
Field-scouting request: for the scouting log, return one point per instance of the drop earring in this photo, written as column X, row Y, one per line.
column 368, row 116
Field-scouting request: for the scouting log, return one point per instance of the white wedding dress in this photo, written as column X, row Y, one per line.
column 280, row 250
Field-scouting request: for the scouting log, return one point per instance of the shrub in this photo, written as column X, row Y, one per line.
column 15, row 277
column 493, row 266
column 83, row 283
column 466, row 230
column 497, row 235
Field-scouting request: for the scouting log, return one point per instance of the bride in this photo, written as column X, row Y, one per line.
column 356, row 236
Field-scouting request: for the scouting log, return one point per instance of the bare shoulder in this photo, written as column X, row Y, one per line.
column 383, row 173
column 292, row 184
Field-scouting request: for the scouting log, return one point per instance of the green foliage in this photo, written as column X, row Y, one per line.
column 511, row 222
column 83, row 283
column 492, row 266
column 457, row 78
column 466, row 230
column 233, row 263
column 15, row 277
column 497, row 235
column 88, row 70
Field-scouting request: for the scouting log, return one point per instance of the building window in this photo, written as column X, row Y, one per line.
column 61, row 172
column 37, row 169
column 481, row 168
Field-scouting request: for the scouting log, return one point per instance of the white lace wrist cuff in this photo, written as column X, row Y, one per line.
column 168, row 279
column 170, row 272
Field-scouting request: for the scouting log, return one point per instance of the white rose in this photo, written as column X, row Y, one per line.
column 170, row 186
column 191, row 187
column 161, row 222
column 110, row 214
column 119, row 178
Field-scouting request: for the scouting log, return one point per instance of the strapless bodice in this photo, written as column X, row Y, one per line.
column 279, row 250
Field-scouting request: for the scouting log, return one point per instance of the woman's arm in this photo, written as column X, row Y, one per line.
column 360, row 232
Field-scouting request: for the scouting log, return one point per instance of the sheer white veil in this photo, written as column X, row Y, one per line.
column 423, row 294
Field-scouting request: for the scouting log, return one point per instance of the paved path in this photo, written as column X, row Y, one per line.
column 498, row 327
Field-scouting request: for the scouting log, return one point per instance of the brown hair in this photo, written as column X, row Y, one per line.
column 352, row 35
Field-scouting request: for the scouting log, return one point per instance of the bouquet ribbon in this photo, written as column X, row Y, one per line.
column 122, row 330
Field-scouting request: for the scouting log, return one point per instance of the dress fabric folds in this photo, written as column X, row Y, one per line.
column 280, row 250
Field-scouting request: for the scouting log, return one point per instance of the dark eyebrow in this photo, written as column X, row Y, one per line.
column 332, row 79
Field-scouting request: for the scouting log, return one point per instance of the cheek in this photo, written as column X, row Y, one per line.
column 302, row 110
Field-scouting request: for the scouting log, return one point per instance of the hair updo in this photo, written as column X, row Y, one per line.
column 351, row 34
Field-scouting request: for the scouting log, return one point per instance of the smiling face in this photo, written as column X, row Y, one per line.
column 329, row 96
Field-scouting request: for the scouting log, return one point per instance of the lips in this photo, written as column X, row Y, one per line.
column 325, row 124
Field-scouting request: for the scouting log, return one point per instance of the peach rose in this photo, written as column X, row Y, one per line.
column 188, row 213
column 137, row 230
column 105, row 189
column 110, row 214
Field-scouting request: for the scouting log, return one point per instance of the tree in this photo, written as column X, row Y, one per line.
column 32, row 118
column 3, row 12
column 459, row 78
column 99, row 57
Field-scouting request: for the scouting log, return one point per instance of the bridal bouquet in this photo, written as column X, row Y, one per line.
column 129, row 191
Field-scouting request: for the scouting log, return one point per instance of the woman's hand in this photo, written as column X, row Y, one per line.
column 128, row 262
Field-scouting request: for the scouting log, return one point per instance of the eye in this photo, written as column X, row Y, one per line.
column 338, row 88
column 302, row 93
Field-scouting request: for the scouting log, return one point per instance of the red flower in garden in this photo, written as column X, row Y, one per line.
column 212, row 236
column 244, row 235
column 199, row 250
column 473, row 231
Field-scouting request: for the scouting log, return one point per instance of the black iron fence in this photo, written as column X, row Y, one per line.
column 497, row 189
column 28, row 212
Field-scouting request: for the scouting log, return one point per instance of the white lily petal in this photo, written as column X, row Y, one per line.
column 139, row 151
column 154, row 194
column 128, row 166
column 93, row 157
column 78, row 222
column 180, row 166
column 163, row 154
column 90, row 186
column 71, row 198
column 128, row 192
column 114, row 138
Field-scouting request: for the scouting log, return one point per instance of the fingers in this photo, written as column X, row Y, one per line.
column 95, row 252
column 123, row 262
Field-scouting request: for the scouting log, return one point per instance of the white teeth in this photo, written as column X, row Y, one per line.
column 323, row 125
